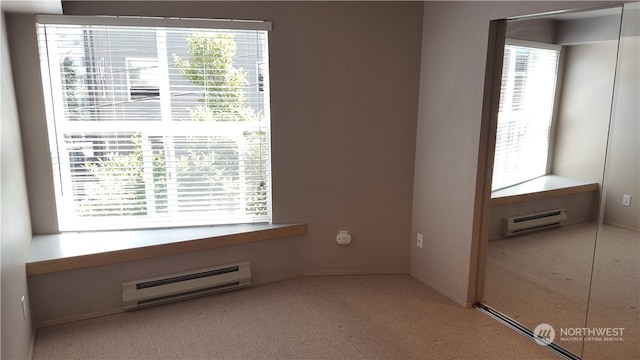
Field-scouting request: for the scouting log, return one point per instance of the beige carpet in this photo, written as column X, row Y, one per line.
column 343, row 317
column 615, row 293
column 545, row 277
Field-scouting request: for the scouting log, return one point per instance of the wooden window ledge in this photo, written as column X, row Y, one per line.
column 77, row 250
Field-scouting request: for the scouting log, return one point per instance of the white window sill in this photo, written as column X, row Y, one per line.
column 77, row 250
column 542, row 187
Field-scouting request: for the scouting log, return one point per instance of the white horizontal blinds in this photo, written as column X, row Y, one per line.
column 157, row 126
column 526, row 109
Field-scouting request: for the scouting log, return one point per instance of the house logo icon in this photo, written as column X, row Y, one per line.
column 544, row 334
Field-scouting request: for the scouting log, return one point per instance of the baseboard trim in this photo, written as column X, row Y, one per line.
column 462, row 302
column 118, row 310
column 32, row 346
column 623, row 227
column 80, row 317
column 358, row 272
column 275, row 279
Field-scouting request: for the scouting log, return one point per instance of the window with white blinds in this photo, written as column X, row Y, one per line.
column 157, row 122
column 527, row 95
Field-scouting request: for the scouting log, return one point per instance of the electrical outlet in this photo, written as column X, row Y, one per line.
column 626, row 200
column 419, row 240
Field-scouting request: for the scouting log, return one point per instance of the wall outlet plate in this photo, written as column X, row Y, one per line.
column 419, row 240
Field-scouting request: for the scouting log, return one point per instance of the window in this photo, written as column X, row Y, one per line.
column 526, row 110
column 198, row 154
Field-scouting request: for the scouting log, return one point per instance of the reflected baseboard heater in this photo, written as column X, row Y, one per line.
column 180, row 286
column 534, row 222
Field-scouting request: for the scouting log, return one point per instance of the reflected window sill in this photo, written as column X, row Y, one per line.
column 539, row 188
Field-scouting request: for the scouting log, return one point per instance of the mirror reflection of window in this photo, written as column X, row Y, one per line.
column 529, row 77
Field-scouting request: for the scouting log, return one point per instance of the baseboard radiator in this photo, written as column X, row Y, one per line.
column 180, row 286
column 534, row 222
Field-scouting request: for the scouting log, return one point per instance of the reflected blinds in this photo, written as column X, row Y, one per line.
column 526, row 109
column 157, row 126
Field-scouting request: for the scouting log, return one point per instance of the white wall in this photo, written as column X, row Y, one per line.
column 454, row 44
column 344, row 100
column 14, row 221
column 584, row 111
column 623, row 158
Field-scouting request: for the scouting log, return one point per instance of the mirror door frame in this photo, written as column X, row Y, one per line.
column 488, row 130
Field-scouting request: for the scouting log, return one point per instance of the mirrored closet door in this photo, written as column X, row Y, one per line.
column 558, row 176
column 614, row 299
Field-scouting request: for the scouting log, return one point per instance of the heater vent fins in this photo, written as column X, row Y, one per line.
column 533, row 222
column 187, row 294
column 176, row 279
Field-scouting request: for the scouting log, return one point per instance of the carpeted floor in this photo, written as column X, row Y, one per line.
column 615, row 293
column 342, row 317
column 545, row 277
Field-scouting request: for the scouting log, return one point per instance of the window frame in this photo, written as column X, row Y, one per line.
column 54, row 111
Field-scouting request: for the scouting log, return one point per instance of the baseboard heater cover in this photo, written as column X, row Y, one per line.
column 534, row 222
column 180, row 286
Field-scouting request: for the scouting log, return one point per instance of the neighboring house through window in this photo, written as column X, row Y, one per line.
column 142, row 79
column 199, row 154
